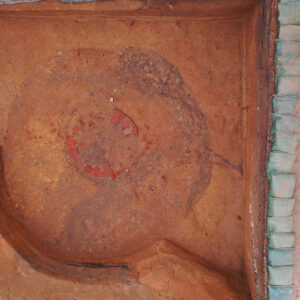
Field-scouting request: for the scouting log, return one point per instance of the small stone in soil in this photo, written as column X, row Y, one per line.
column 127, row 131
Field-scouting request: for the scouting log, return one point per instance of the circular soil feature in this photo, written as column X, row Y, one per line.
column 105, row 153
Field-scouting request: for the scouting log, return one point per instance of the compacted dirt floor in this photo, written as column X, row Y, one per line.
column 117, row 134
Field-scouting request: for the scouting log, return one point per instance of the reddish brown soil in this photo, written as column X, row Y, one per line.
column 118, row 132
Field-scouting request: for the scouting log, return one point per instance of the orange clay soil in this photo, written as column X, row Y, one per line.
column 128, row 128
